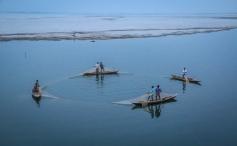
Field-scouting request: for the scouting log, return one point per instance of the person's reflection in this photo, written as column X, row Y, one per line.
column 184, row 86
column 158, row 111
column 151, row 111
column 37, row 100
column 154, row 110
column 97, row 77
column 100, row 79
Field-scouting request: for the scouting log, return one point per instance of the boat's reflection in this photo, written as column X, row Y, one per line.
column 37, row 100
column 100, row 78
column 184, row 85
column 154, row 110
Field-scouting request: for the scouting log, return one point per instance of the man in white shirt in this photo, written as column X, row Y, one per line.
column 152, row 93
column 97, row 67
column 184, row 72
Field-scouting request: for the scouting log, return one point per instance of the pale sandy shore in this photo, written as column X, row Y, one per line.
column 59, row 27
column 105, row 35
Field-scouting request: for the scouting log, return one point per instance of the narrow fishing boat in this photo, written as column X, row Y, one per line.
column 107, row 71
column 185, row 79
column 36, row 93
column 164, row 98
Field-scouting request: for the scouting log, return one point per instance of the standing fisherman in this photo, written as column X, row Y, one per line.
column 184, row 74
column 151, row 93
column 158, row 91
column 102, row 67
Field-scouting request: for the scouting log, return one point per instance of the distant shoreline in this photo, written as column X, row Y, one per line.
column 79, row 27
column 110, row 34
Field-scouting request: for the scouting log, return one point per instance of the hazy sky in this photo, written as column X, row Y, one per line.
column 120, row 6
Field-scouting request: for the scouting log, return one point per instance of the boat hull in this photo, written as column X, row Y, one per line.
column 100, row 73
column 36, row 95
column 180, row 78
column 153, row 102
column 107, row 71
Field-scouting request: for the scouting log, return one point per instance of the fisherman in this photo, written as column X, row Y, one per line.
column 97, row 68
column 36, row 86
column 151, row 93
column 102, row 67
column 37, row 83
column 184, row 72
column 158, row 91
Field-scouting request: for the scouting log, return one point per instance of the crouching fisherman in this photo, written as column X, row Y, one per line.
column 36, row 87
column 184, row 74
column 36, row 91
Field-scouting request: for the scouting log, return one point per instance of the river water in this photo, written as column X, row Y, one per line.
column 79, row 110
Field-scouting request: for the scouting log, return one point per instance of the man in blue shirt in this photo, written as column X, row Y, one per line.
column 102, row 67
column 158, row 91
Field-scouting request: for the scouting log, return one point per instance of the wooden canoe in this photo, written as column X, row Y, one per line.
column 106, row 71
column 189, row 79
column 36, row 94
column 152, row 102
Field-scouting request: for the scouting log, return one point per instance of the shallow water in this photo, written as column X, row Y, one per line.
column 83, row 113
column 38, row 26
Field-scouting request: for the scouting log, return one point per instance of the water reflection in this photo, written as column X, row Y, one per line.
column 100, row 78
column 184, row 86
column 37, row 100
column 154, row 110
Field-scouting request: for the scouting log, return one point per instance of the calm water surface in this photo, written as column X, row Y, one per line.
column 80, row 110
